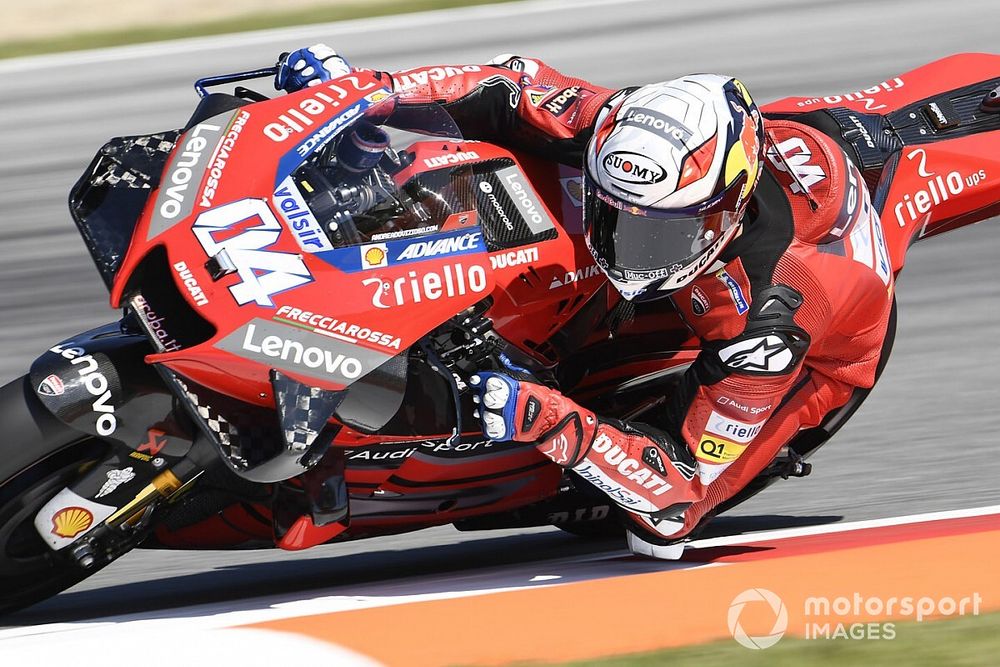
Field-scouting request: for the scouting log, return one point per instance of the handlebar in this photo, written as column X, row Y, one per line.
column 202, row 85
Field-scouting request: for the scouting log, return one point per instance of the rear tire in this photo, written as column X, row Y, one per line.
column 39, row 456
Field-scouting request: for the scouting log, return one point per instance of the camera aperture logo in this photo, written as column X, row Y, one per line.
column 855, row 617
column 756, row 596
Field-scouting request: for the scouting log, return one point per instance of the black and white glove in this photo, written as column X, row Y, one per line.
column 309, row 67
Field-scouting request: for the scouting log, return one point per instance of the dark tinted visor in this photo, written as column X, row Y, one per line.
column 646, row 244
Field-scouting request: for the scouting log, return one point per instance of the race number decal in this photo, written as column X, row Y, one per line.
column 243, row 230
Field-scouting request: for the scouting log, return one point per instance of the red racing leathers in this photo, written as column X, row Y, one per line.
column 792, row 320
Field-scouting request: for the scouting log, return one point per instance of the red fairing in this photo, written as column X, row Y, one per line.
column 898, row 91
column 940, row 187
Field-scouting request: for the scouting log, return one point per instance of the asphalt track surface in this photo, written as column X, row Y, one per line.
column 926, row 439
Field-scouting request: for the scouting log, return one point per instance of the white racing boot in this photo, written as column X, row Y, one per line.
column 642, row 547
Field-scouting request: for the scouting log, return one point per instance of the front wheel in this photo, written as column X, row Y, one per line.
column 39, row 456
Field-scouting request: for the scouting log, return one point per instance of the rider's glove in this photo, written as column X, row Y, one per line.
column 642, row 471
column 308, row 67
column 528, row 412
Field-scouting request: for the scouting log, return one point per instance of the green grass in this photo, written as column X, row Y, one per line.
column 257, row 21
column 965, row 641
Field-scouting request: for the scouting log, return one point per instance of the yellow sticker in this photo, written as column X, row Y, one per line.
column 374, row 256
column 377, row 96
column 713, row 449
column 535, row 97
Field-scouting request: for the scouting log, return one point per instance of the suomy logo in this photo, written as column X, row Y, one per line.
column 634, row 168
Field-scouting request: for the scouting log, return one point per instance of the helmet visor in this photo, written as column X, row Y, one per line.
column 638, row 244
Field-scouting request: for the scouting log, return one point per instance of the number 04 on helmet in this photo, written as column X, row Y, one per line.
column 667, row 179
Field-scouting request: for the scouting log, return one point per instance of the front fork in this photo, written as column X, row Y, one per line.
column 99, row 384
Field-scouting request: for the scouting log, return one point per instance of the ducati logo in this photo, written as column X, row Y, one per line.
column 699, row 301
column 52, row 386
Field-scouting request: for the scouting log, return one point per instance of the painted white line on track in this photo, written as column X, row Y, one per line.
column 805, row 531
column 300, row 34
column 550, row 573
column 108, row 647
column 219, row 616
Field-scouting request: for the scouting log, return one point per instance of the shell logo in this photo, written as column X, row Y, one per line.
column 71, row 521
column 374, row 256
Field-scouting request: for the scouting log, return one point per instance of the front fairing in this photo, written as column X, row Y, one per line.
column 314, row 313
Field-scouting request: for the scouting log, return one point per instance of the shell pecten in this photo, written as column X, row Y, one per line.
column 71, row 521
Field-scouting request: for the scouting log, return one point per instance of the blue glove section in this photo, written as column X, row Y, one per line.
column 309, row 67
column 509, row 364
column 497, row 396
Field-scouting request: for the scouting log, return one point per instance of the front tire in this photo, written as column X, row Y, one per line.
column 39, row 456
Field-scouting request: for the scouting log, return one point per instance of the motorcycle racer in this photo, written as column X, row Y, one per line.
column 762, row 233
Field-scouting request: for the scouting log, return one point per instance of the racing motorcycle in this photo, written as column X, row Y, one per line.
column 307, row 283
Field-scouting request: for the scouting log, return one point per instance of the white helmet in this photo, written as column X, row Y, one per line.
column 668, row 176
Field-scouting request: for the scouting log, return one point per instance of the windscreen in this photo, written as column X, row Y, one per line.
column 360, row 187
